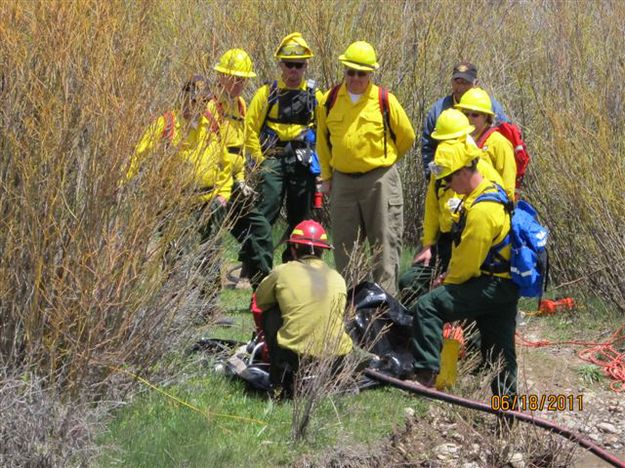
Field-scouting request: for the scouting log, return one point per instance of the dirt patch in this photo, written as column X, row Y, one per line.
column 449, row 436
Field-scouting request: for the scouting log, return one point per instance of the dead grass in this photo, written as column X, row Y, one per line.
column 87, row 285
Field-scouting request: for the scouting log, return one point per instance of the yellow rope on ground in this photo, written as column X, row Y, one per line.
column 206, row 413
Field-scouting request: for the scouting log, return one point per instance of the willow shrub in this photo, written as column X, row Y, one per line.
column 83, row 283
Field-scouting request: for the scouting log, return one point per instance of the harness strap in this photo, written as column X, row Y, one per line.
column 170, row 127
column 482, row 139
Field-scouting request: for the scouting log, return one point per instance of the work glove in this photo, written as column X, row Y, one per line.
column 244, row 189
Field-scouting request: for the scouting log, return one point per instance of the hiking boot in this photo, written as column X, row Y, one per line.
column 243, row 283
column 425, row 377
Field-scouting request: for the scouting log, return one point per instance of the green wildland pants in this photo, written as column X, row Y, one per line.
column 284, row 179
column 491, row 302
column 248, row 227
column 415, row 281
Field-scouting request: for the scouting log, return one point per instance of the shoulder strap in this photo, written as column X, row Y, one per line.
column 332, row 98
column 386, row 110
column 272, row 99
column 480, row 142
column 170, row 127
column 386, row 118
column 214, row 122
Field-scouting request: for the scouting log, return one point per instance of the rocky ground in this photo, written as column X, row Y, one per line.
column 449, row 436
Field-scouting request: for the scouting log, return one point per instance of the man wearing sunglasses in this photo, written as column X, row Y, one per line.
column 363, row 132
column 281, row 138
column 477, row 284
column 463, row 78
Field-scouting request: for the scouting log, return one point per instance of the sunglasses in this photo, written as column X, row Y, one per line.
column 474, row 115
column 447, row 179
column 297, row 65
column 359, row 73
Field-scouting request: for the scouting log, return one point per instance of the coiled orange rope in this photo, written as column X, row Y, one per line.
column 602, row 354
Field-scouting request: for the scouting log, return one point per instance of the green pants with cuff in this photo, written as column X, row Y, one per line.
column 490, row 301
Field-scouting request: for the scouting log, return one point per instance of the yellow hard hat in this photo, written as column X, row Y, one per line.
column 451, row 124
column 453, row 155
column 476, row 99
column 360, row 55
column 236, row 62
column 293, row 47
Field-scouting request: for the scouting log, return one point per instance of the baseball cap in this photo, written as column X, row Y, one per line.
column 465, row 70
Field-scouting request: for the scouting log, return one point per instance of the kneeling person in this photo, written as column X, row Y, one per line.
column 303, row 303
column 477, row 284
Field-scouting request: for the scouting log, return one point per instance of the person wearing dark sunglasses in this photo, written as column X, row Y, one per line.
column 280, row 127
column 363, row 132
column 477, row 284
column 463, row 78
column 476, row 104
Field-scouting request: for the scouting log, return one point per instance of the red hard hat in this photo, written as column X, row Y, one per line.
column 310, row 233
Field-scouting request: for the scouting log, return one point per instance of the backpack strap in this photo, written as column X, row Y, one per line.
column 482, row 139
column 494, row 261
column 386, row 117
column 330, row 101
column 214, row 121
column 272, row 99
column 332, row 98
column 170, row 127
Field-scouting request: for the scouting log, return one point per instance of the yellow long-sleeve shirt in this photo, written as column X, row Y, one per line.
column 501, row 155
column 197, row 149
column 441, row 202
column 487, row 224
column 356, row 132
column 228, row 120
column 312, row 298
column 259, row 110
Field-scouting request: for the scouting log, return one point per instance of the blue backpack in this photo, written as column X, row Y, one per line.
column 529, row 263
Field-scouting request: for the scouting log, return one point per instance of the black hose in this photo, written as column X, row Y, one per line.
column 476, row 405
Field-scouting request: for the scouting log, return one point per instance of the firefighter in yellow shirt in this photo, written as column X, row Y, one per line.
column 477, row 106
column 280, row 136
column 441, row 207
column 477, row 284
column 226, row 114
column 187, row 132
column 362, row 133
column 303, row 303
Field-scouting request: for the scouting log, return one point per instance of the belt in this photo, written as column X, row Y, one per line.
column 353, row 175
column 234, row 149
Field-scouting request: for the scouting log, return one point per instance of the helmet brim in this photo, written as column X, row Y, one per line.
column 448, row 136
column 239, row 73
column 310, row 243
column 358, row 66
column 474, row 108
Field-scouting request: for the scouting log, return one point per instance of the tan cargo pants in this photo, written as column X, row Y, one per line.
column 368, row 206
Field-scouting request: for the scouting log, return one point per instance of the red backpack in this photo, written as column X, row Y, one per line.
column 514, row 136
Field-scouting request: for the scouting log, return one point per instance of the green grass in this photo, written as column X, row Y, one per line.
column 156, row 430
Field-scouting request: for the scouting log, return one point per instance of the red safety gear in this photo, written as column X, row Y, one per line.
column 310, row 233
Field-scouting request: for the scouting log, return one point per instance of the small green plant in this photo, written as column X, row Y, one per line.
column 590, row 373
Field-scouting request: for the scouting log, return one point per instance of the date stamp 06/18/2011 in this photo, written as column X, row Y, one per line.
column 533, row 402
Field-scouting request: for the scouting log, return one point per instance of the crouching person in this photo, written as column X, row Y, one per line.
column 303, row 303
column 477, row 284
